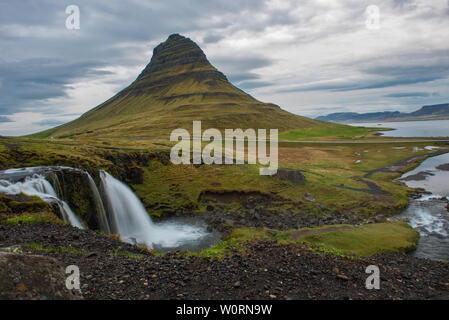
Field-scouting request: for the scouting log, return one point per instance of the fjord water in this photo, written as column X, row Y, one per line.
column 125, row 216
column 429, row 214
column 428, row 128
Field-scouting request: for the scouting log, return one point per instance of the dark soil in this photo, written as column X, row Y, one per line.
column 265, row 270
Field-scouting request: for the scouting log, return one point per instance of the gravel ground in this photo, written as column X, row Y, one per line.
column 265, row 271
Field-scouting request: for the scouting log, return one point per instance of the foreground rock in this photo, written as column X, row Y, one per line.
column 25, row 276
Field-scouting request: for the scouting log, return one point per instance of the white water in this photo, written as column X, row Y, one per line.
column 428, row 214
column 37, row 185
column 125, row 216
column 132, row 222
column 104, row 223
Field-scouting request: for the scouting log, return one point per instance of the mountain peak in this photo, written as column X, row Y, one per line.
column 179, row 85
column 176, row 50
column 175, row 59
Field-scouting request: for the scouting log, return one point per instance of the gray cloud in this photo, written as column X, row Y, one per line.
column 5, row 119
column 407, row 95
column 27, row 82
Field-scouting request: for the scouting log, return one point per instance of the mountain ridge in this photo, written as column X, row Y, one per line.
column 428, row 112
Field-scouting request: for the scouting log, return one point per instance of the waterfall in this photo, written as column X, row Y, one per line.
column 132, row 222
column 118, row 209
column 37, row 185
column 69, row 215
column 103, row 218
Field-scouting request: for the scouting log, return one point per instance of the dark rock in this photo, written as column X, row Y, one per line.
column 291, row 175
column 32, row 277
column 134, row 175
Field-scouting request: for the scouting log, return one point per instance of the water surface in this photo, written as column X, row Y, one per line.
column 429, row 214
column 429, row 128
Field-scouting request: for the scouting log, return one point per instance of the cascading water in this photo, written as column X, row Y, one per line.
column 132, row 222
column 125, row 214
column 104, row 222
column 37, row 185
column 428, row 214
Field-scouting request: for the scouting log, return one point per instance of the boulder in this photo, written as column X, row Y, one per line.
column 32, row 277
column 291, row 175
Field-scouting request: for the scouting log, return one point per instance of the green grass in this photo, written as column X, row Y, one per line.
column 344, row 132
column 235, row 241
column 120, row 252
column 33, row 218
column 368, row 239
column 49, row 249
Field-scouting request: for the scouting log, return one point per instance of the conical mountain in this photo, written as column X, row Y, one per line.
column 179, row 85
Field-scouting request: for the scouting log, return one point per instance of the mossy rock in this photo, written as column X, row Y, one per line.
column 4, row 207
column 33, row 218
column 29, row 206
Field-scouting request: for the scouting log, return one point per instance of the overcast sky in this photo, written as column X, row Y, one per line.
column 310, row 57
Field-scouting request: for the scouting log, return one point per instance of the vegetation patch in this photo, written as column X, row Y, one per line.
column 33, row 218
column 338, row 240
column 235, row 241
column 368, row 239
column 120, row 252
column 332, row 132
column 49, row 249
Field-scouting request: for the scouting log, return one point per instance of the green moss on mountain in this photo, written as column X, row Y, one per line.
column 178, row 86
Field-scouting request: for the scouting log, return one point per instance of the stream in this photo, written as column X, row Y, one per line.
column 428, row 214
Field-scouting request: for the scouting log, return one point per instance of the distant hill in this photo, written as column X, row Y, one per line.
column 433, row 112
column 179, row 85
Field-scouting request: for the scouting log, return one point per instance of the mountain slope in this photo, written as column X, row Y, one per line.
column 179, row 85
column 433, row 112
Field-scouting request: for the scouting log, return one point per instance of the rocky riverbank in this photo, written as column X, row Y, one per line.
column 111, row 269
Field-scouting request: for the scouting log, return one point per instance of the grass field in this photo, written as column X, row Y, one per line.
column 342, row 132
column 168, row 187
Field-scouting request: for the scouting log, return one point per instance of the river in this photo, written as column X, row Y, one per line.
column 427, row 214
